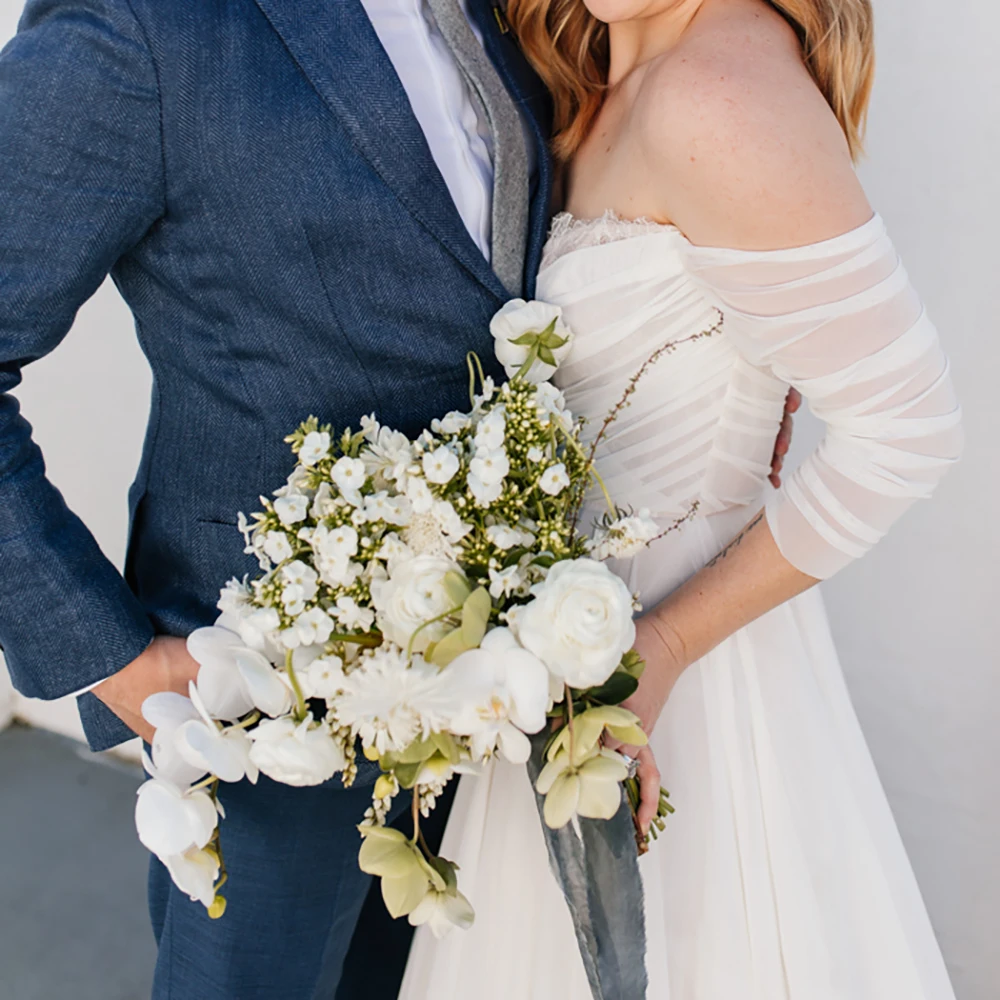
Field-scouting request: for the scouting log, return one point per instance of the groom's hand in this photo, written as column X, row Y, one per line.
column 164, row 666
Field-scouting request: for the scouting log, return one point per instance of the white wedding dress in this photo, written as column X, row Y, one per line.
column 782, row 875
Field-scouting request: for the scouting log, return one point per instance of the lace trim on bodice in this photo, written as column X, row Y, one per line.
column 568, row 233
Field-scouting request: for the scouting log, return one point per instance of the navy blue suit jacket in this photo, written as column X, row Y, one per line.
column 251, row 175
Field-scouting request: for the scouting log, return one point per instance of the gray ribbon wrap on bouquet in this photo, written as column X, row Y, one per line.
column 599, row 876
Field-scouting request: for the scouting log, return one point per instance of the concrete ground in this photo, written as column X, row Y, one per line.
column 73, row 920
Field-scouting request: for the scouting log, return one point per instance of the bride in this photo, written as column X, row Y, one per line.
column 711, row 201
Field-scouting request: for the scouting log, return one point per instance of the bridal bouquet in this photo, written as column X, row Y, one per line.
column 429, row 602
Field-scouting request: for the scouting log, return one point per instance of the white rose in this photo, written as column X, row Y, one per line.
column 296, row 753
column 315, row 447
column 414, row 594
column 580, row 622
column 518, row 318
column 440, row 465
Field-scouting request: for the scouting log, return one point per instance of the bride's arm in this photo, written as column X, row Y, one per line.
column 753, row 160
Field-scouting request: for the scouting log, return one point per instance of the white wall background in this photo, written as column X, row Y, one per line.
column 916, row 620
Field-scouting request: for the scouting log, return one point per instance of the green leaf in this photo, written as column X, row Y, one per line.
column 446, row 649
column 403, row 895
column 407, row 774
column 619, row 686
column 417, row 752
column 475, row 617
column 456, row 586
column 446, row 869
column 632, row 663
column 447, row 746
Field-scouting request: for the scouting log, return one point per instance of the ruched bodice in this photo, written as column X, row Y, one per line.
column 730, row 330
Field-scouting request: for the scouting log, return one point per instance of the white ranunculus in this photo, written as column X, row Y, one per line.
column 233, row 678
column 349, row 474
column 414, row 594
column 296, row 753
column 440, row 465
column 442, row 911
column 554, row 480
column 291, row 509
column 195, row 873
column 172, row 820
column 580, row 622
column 518, row 318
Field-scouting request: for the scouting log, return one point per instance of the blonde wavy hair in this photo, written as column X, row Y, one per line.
column 568, row 47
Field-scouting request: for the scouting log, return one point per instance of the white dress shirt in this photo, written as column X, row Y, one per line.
column 460, row 141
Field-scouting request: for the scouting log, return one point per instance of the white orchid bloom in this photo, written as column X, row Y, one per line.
column 166, row 712
column 504, row 694
column 233, row 678
column 222, row 752
column 170, row 819
column 442, row 911
column 195, row 873
column 296, row 753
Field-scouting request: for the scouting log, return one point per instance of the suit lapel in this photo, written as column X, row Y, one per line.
column 336, row 47
column 530, row 94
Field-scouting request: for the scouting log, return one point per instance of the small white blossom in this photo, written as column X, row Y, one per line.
column 277, row 547
column 490, row 467
column 351, row 615
column 349, row 474
column 554, row 479
column 451, row 423
column 291, row 509
column 313, row 627
column 324, row 677
column 440, row 465
column 315, row 448
column 625, row 537
column 483, row 493
column 535, row 454
column 505, row 582
column 491, row 430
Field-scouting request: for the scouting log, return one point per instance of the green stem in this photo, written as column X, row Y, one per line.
column 300, row 701
column 430, row 621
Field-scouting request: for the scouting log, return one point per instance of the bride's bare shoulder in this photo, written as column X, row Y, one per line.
column 738, row 130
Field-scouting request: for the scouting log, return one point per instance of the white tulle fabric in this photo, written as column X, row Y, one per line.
column 782, row 875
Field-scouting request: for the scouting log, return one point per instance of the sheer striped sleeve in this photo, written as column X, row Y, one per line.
column 840, row 321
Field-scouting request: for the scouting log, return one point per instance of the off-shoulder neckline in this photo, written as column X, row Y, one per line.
column 645, row 225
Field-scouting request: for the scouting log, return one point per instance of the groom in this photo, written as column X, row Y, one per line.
column 311, row 207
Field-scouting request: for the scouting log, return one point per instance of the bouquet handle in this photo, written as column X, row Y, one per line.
column 598, row 872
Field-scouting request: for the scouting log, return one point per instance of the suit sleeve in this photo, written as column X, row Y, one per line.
column 81, row 182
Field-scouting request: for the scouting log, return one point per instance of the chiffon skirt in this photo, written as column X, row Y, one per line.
column 780, row 877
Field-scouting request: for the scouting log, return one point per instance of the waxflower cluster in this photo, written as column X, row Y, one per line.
column 427, row 602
